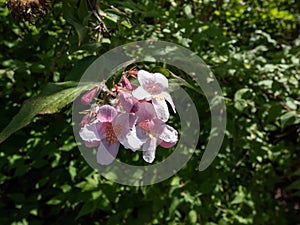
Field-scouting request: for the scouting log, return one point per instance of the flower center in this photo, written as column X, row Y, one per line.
column 110, row 135
column 159, row 98
column 145, row 125
column 153, row 88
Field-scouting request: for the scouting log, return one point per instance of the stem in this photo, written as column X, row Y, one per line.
column 186, row 84
column 96, row 14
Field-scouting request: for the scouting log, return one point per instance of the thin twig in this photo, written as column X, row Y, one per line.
column 96, row 14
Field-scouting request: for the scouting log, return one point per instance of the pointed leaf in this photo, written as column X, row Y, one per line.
column 54, row 97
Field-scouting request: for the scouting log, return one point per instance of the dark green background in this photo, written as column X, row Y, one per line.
column 253, row 48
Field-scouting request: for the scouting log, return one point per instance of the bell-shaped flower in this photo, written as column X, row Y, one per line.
column 101, row 133
column 127, row 102
column 153, row 132
column 125, row 130
column 153, row 88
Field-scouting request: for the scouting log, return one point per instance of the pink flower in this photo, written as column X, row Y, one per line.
column 156, row 134
column 101, row 133
column 152, row 88
column 124, row 127
column 136, row 120
column 91, row 115
column 153, row 132
column 127, row 102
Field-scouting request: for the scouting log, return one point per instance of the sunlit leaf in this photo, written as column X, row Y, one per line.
column 51, row 100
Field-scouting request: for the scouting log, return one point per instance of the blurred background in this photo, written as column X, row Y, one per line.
column 252, row 47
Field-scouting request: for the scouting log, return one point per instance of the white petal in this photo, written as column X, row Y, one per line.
column 127, row 102
column 169, row 134
column 157, row 127
column 168, row 97
column 140, row 93
column 142, row 75
column 149, row 149
column 132, row 141
column 146, row 111
column 161, row 108
column 106, row 113
column 91, row 144
column 89, row 133
column 159, row 78
column 152, row 83
column 125, row 133
column 141, row 134
column 106, row 153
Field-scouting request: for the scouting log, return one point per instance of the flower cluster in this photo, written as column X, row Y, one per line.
column 134, row 116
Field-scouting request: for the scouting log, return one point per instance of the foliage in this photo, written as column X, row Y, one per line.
column 252, row 47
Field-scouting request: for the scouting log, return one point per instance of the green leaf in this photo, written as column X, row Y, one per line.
column 79, row 68
column 114, row 17
column 54, row 97
column 239, row 98
column 173, row 206
column 288, row 118
column 297, row 172
column 192, row 216
column 72, row 171
column 53, row 201
column 239, row 198
column 243, row 93
column 240, row 104
column 87, row 208
column 291, row 103
column 72, row 18
column 274, row 112
column 93, row 205
column 295, row 185
column 187, row 9
column 91, row 183
column 83, row 11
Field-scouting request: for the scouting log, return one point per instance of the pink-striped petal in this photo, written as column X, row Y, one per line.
column 107, row 153
column 140, row 93
column 169, row 134
column 161, row 108
column 169, row 99
column 125, row 133
column 142, row 134
column 89, row 133
column 106, row 113
column 127, row 102
column 152, row 83
column 169, row 137
column 146, row 111
column 91, row 144
column 149, row 149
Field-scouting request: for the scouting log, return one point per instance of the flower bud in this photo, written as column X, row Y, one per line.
column 126, row 83
column 88, row 97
